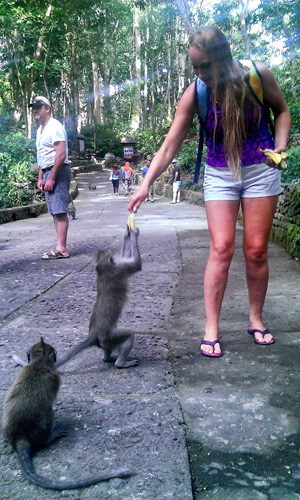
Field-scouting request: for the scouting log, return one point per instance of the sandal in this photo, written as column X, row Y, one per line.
column 55, row 254
column 212, row 344
column 263, row 333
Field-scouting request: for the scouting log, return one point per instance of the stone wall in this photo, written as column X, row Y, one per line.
column 33, row 210
column 294, row 140
column 38, row 208
column 286, row 226
column 163, row 188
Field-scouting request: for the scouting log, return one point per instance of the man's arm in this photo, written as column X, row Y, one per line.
column 40, row 180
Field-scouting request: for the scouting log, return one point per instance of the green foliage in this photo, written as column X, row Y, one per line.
column 187, row 156
column 187, row 184
column 16, row 158
column 292, row 173
column 108, row 141
column 294, row 107
column 146, row 143
column 72, row 50
column 12, row 172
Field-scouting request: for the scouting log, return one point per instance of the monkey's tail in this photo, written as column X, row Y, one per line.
column 88, row 342
column 25, row 458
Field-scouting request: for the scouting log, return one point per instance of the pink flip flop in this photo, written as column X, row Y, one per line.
column 263, row 333
column 211, row 354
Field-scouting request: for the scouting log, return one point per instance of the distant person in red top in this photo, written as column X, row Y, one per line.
column 126, row 177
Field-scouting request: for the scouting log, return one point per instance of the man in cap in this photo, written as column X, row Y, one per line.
column 176, row 182
column 54, row 172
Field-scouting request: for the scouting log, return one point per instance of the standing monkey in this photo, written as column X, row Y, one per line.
column 112, row 285
column 28, row 419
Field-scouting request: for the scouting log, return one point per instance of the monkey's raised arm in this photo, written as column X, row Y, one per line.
column 130, row 258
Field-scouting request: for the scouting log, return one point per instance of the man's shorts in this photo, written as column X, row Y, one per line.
column 57, row 200
column 258, row 181
column 176, row 186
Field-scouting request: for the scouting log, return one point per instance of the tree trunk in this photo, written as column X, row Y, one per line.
column 96, row 91
column 170, row 79
column 144, row 121
column 183, row 9
column 180, row 61
column 136, row 117
column 33, row 73
column 152, row 104
column 243, row 20
column 292, row 51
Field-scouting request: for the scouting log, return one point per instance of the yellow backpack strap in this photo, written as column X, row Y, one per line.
column 255, row 81
column 255, row 84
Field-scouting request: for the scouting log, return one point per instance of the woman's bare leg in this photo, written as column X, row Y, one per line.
column 258, row 216
column 221, row 217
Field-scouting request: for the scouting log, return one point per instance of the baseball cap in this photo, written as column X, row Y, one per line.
column 39, row 99
column 174, row 160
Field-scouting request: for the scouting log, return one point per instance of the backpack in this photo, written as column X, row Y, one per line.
column 202, row 96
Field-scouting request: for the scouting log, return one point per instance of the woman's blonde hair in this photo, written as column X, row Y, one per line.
column 228, row 78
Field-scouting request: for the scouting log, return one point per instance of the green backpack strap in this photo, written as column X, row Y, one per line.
column 255, row 85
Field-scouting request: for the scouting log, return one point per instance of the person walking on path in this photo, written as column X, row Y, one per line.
column 236, row 173
column 150, row 195
column 127, row 177
column 176, row 182
column 54, row 172
column 115, row 177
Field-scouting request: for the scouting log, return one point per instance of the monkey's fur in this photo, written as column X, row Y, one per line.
column 71, row 210
column 112, row 284
column 28, row 419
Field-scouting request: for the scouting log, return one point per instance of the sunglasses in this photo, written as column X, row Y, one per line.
column 37, row 106
column 203, row 67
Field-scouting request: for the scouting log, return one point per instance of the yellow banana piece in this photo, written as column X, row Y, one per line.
column 283, row 164
column 131, row 221
column 284, row 155
column 278, row 158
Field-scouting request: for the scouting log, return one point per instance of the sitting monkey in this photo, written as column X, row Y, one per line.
column 28, row 417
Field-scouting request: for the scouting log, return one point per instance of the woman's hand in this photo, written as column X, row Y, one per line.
column 137, row 198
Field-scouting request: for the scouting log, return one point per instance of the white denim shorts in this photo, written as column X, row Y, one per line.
column 176, row 186
column 258, row 181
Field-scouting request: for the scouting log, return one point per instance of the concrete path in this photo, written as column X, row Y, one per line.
column 192, row 427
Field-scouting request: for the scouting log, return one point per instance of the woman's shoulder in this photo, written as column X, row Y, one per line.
column 188, row 101
column 262, row 67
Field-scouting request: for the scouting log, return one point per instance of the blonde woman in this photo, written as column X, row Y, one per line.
column 236, row 174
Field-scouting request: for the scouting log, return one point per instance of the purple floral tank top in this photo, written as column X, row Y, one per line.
column 258, row 136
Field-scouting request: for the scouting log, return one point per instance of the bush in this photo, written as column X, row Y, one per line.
column 187, row 184
column 187, row 156
column 147, row 144
column 292, row 173
column 16, row 158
